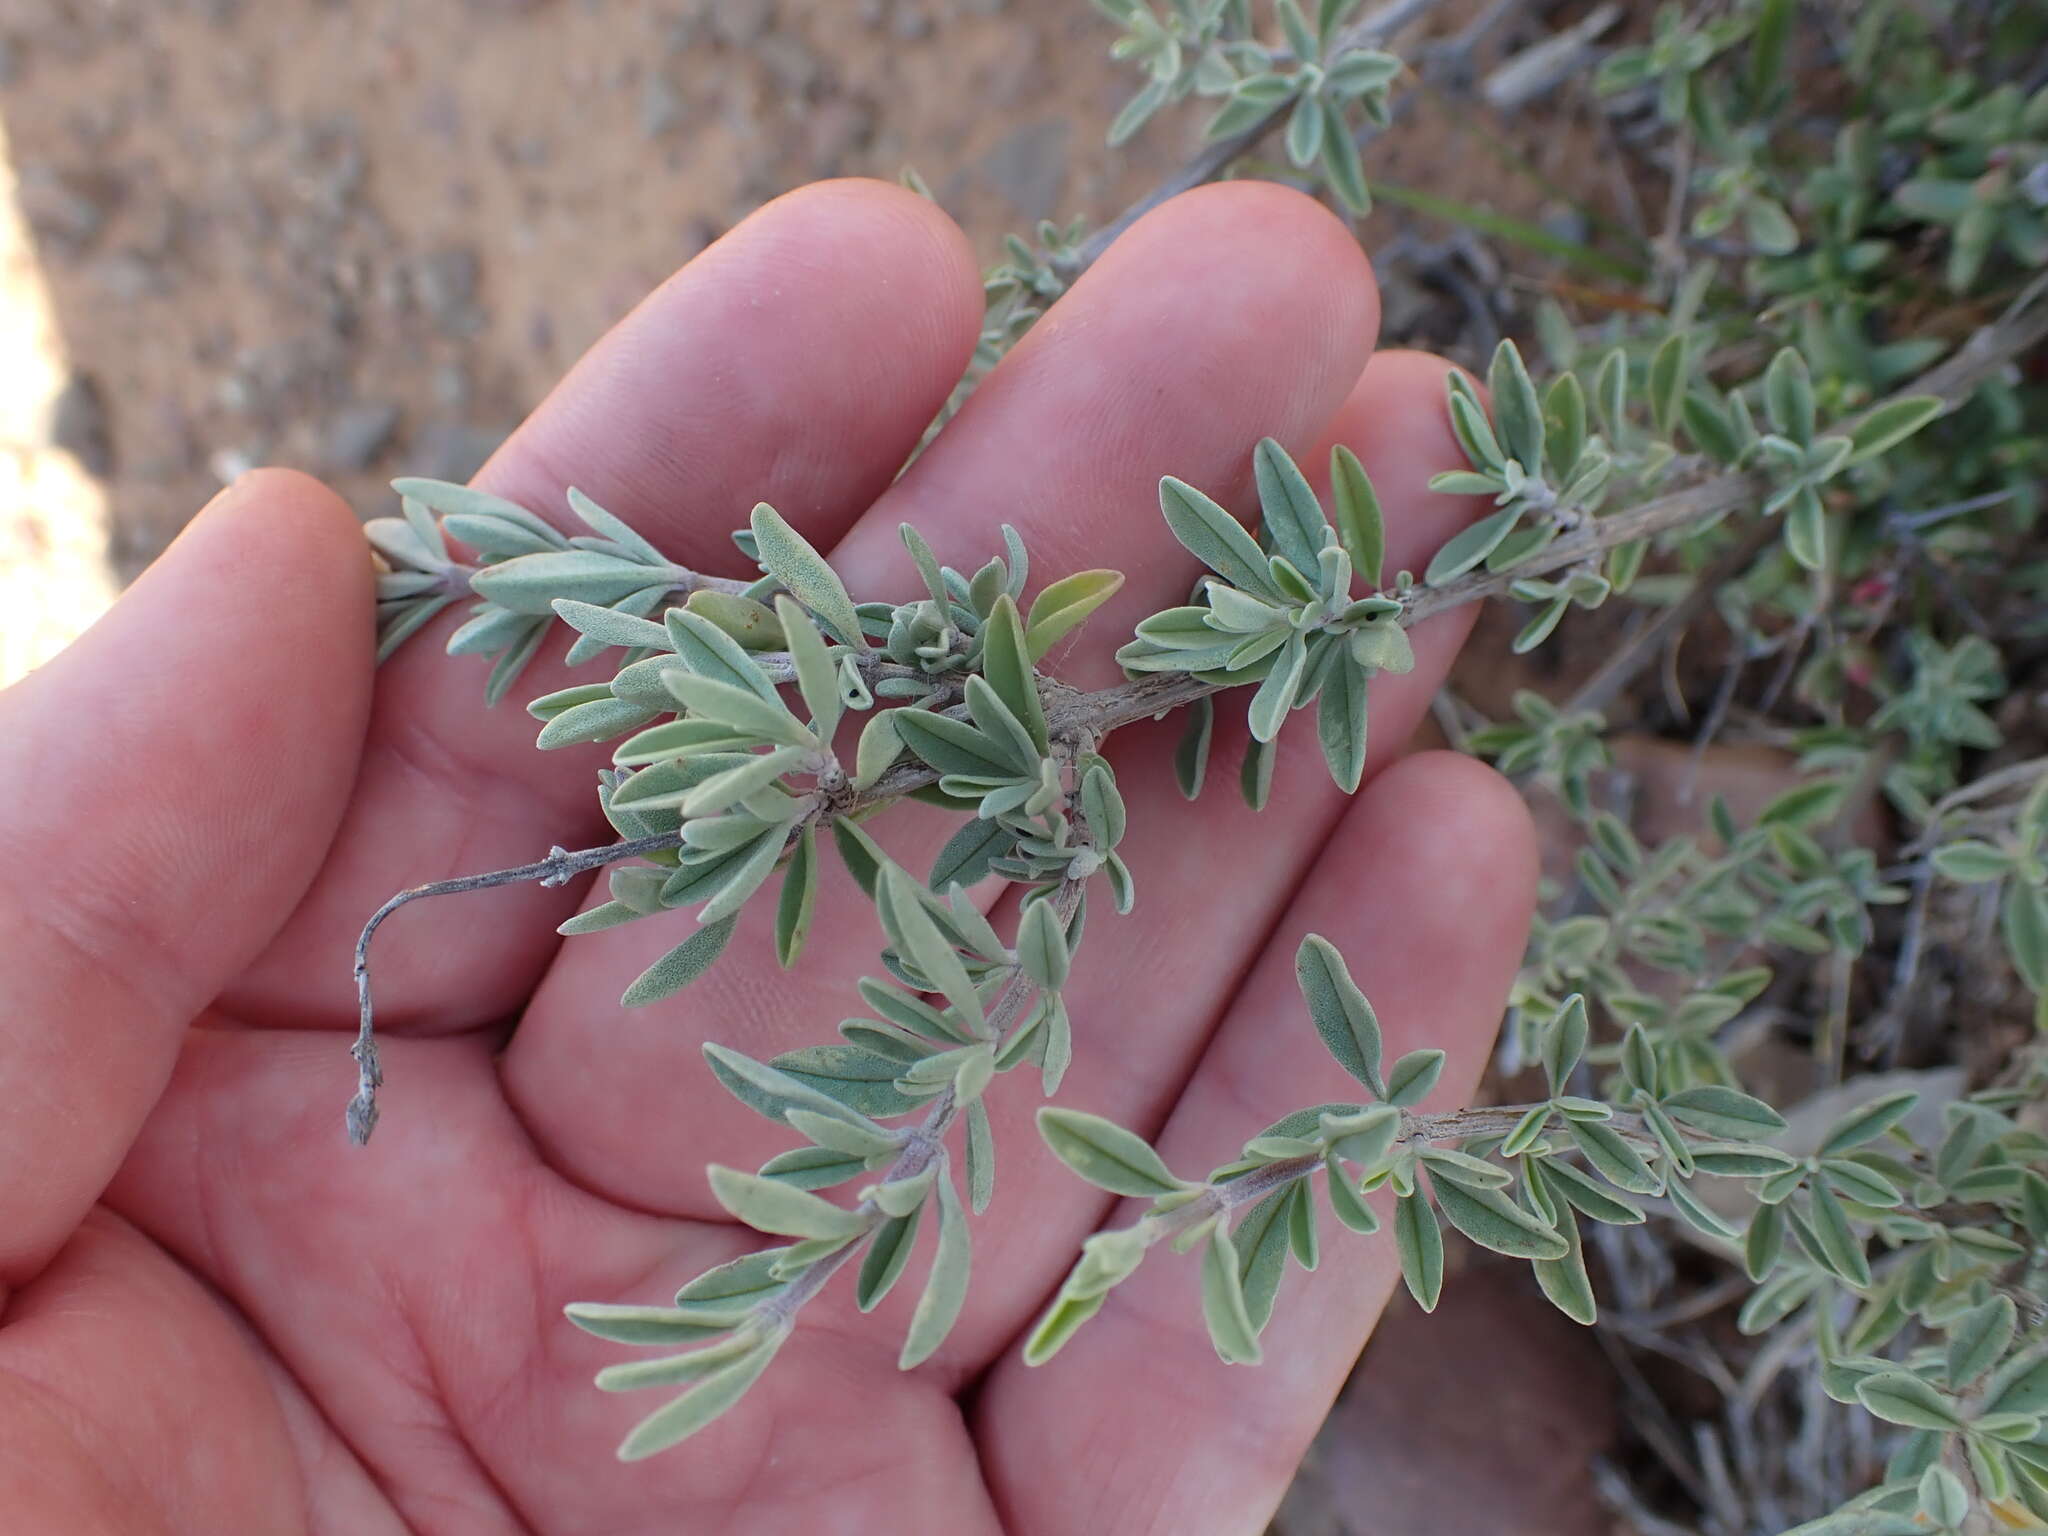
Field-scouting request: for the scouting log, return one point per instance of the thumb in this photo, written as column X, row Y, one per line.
column 173, row 780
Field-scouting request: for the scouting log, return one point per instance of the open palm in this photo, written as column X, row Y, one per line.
column 222, row 1318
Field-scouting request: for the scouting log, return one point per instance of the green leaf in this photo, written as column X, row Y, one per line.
column 1886, row 426
column 790, row 559
column 1042, row 945
column 1517, row 409
column 1348, row 1205
column 2024, row 921
column 1346, row 171
column 918, row 935
column 1361, row 526
column 1565, row 1280
column 1564, row 1042
column 954, row 746
column 652, row 1325
column 1667, row 382
column 799, row 900
column 1223, row 1304
column 1341, row 721
column 1216, row 539
column 771, row 1091
column 1305, row 128
column 1971, row 863
column 1275, row 696
column 769, row 1206
column 1339, row 1011
column 1261, row 1242
column 701, row 1405
column 860, row 853
column 610, row 627
column 1421, row 1247
column 680, row 966
column 1613, row 1158
column 1868, row 1122
column 981, row 1158
column 1788, row 396
column 817, row 679
column 946, row 1288
column 1979, row 1339
column 1471, row 545
column 1255, row 773
column 1494, row 1221
column 1065, row 605
column 1585, row 1193
column 1414, row 1077
column 1763, row 1241
column 1900, row 1398
column 965, row 858
column 744, row 711
column 710, row 652
column 1006, row 663
column 1725, row 1112
column 1105, row 1154
column 1840, row 1247
column 1293, row 517
column 884, row 1262
column 858, row 1078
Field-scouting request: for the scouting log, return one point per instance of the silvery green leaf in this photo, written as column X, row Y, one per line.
column 1470, row 546
column 839, row 1134
column 773, row 1092
column 596, row 919
column 1301, row 38
column 1105, row 1154
column 1339, row 1011
column 769, row 1206
column 1564, row 1042
column 917, row 935
column 1250, row 104
column 1853, row 1181
column 680, row 966
column 1361, row 1136
column 607, row 526
column 675, row 1369
column 887, row 1254
column 1414, row 1076
column 1138, row 111
column 737, row 1284
column 449, row 500
column 1463, row 1168
column 816, row 676
column 1346, row 171
column 2023, row 920
column 1216, row 538
column 965, row 858
column 610, row 627
column 1042, row 945
column 1223, row 1302
column 1613, row 1158
column 1788, row 396
column 981, row 1158
column 910, row 1012
column 1103, row 805
column 1363, row 70
column 1564, row 1280
column 1839, row 1246
column 1059, row 1045
column 1724, row 1112
column 1275, row 696
column 1123, row 888
column 1060, row 1323
column 1341, row 720
column 946, row 1289
column 741, row 873
column 1064, row 606
column 652, row 1325
column 1421, row 1246
column 901, row 1196
column 530, row 584
column 1764, row 1241
column 1979, row 1339
column 1517, row 408
column 599, row 720
column 1698, row 1214
column 701, row 1405
column 490, row 631
column 860, row 1078
column 993, row 718
column 1191, row 756
column 799, row 899
column 1899, row 1397
column 1261, row 1243
column 1806, row 529
column 813, row 1167
column 1942, row 1497
column 549, row 705
column 1006, row 662
column 747, row 623
column 1348, row 1205
column 1889, row 424
column 1469, row 424
column 1255, row 774
column 1360, row 524
column 727, row 788
column 1668, row 372
column 1970, row 862
column 1494, row 1221
column 955, row 747
column 1528, row 1130
column 790, row 559
column 1294, row 519
column 738, row 708
column 1739, row 1160
column 1587, row 1194
column 709, row 652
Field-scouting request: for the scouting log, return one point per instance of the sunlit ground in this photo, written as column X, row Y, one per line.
column 54, row 579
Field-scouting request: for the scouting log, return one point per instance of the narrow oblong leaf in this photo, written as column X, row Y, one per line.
column 712, row 1397
column 1494, row 1221
column 888, row 1254
column 1339, row 1010
column 791, row 560
column 945, row 1290
column 768, row 1206
column 680, row 966
column 1223, row 1304
column 1064, row 606
column 1105, row 1154
column 1421, row 1246
column 1216, row 538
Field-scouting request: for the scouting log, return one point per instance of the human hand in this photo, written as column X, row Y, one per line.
column 223, row 1318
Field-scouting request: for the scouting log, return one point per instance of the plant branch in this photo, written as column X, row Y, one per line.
column 1213, row 159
